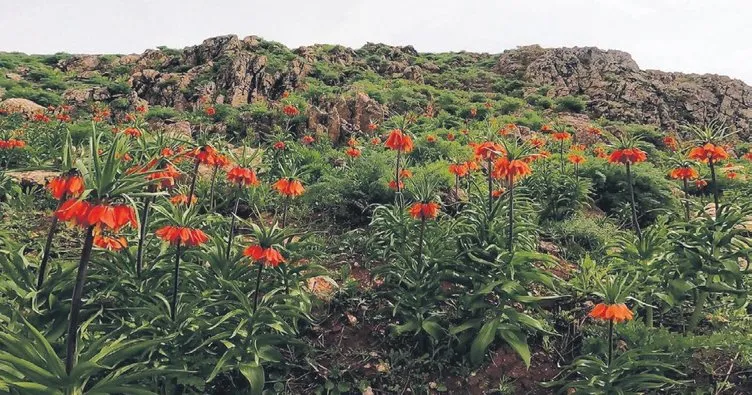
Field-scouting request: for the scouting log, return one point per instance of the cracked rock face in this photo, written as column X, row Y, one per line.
column 618, row 89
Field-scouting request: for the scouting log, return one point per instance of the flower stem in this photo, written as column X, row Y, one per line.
column 715, row 185
column 285, row 207
column 192, row 189
column 211, row 188
column 686, row 200
column 175, row 274
column 635, row 224
column 420, row 240
column 258, row 285
column 511, row 214
column 397, row 172
column 142, row 236
column 490, row 188
column 610, row 341
column 47, row 250
column 696, row 316
column 75, row 310
column 232, row 226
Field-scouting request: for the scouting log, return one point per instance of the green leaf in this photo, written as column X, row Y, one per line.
column 433, row 328
column 481, row 342
column 517, row 340
column 255, row 376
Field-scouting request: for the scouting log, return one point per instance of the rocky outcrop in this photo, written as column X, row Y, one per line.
column 18, row 105
column 242, row 78
column 618, row 89
column 339, row 118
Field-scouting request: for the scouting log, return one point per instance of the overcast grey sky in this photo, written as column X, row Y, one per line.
column 701, row 36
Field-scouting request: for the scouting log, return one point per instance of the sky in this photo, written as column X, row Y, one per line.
column 697, row 36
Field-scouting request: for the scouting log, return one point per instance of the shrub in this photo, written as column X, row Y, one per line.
column 570, row 104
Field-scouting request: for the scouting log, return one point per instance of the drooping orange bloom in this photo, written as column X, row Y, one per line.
column 450, row 136
column 352, row 142
column 684, row 173
column 576, row 159
column 210, row 111
column 206, row 155
column 399, row 141
column 628, row 155
column 242, row 176
column 543, row 154
column 708, row 152
column 599, row 152
column 290, row 110
column 111, row 216
column 12, row 143
column 670, row 143
column 405, row 173
column 748, row 155
column 537, row 142
column 183, row 199
column 188, row 237
column 141, row 108
column 74, row 211
column 561, row 136
column 459, row 169
column 431, row 138
column 700, row 184
column 41, row 117
column 497, row 193
column 372, row 126
column 375, row 141
column 166, row 176
column 279, row 145
column 546, row 128
column 393, row 185
column 111, row 243
column 594, row 131
column 132, row 132
column 732, row 175
column 63, row 117
column 473, row 112
column 307, row 139
column 472, row 165
column 267, row 256
column 289, row 187
column 488, row 150
column 352, row 152
column 577, row 147
column 510, row 170
column 69, row 186
column 616, row 312
column 424, row 210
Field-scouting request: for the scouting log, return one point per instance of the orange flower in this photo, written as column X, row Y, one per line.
column 405, row 173
column 670, row 143
column 74, row 211
column 599, row 152
column 63, row 117
column 700, row 184
column 132, row 132
column 268, row 256
column 615, row 312
column 472, row 165
column 546, row 128
column 375, row 141
column 110, row 242
column 290, row 110
column 242, row 176
column 69, row 186
column 399, row 141
column 431, row 138
column 537, row 142
column 628, row 155
column 561, row 136
column 289, row 187
column 279, row 145
column 497, row 193
column 577, row 147
column 210, row 111
column 459, row 169
column 141, row 108
column 166, row 176
column 206, row 155
column 488, row 150
column 450, row 137
column 708, row 152
column 684, row 173
column 576, row 159
column 731, row 175
column 372, row 126
column 352, row 142
column 307, row 139
column 41, row 117
column 748, row 155
column 424, row 210
column 113, row 217
column 12, row 143
column 511, row 170
column 185, row 236
column 594, row 131
column 393, row 185
column 182, row 199
column 473, row 112
column 352, row 152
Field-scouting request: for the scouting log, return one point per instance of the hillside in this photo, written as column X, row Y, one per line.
column 348, row 88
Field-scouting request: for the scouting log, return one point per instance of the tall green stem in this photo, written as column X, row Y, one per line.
column 175, row 276
column 686, row 200
column 490, row 185
column 420, row 240
column 511, row 214
column 47, row 248
column 192, row 189
column 696, row 316
column 211, row 188
column 715, row 184
column 610, row 341
column 142, row 236
column 258, row 285
column 232, row 226
column 75, row 310
column 635, row 224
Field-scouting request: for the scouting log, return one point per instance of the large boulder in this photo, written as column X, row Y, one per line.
column 18, row 105
column 340, row 117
